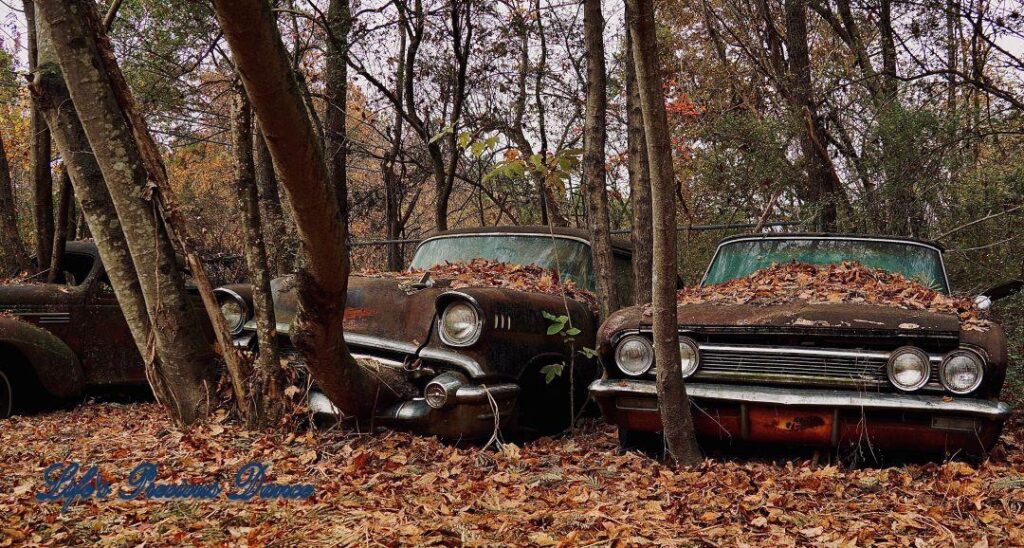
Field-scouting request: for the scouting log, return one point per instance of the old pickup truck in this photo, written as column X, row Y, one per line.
column 844, row 371
column 61, row 339
column 475, row 353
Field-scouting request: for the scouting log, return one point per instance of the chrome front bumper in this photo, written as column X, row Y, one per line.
column 982, row 409
column 470, row 415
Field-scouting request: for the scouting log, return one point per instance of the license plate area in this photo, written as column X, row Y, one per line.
column 809, row 425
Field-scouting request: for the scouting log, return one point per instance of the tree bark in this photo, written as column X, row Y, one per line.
column 639, row 177
column 269, row 390
column 185, row 357
column 98, row 212
column 274, row 229
column 60, row 235
column 39, row 156
column 262, row 63
column 822, row 182
column 676, row 421
column 13, row 256
column 594, row 175
column 336, row 88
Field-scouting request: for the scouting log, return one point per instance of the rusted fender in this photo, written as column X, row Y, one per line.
column 55, row 365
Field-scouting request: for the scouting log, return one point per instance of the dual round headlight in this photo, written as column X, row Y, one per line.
column 635, row 355
column 460, row 324
column 908, row 368
column 960, row 372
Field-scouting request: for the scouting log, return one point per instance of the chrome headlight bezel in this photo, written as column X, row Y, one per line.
column 646, row 348
column 975, row 357
column 688, row 343
column 477, row 324
column 229, row 297
column 925, row 371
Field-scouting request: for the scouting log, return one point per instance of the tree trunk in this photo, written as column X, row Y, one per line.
column 270, row 206
column 186, row 359
column 269, row 390
column 262, row 63
column 42, row 180
column 822, row 183
column 13, row 256
column 594, row 175
column 676, row 421
column 336, row 88
column 98, row 212
column 639, row 178
column 60, row 235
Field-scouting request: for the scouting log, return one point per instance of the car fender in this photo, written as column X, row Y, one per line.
column 55, row 365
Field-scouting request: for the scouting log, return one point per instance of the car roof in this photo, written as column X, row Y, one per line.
column 619, row 244
column 835, row 235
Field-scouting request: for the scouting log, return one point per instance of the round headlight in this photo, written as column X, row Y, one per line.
column 234, row 314
column 908, row 368
column 634, row 355
column 961, row 371
column 689, row 356
column 460, row 324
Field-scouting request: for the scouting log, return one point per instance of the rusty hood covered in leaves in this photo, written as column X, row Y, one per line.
column 400, row 306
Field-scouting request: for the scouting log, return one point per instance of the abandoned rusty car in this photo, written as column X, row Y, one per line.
column 465, row 346
column 61, row 339
column 859, row 377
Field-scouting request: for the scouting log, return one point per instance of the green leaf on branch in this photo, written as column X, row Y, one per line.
column 551, row 371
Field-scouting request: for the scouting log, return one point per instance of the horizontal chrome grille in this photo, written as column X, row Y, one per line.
column 788, row 365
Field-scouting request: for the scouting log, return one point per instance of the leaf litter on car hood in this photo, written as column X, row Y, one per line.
column 849, row 282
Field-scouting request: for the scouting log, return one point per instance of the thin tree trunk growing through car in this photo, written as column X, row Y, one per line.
column 42, row 180
column 98, row 212
column 186, row 359
column 13, row 256
column 262, row 63
column 270, row 205
column 269, row 391
column 336, row 87
column 639, row 178
column 60, row 234
column 676, row 421
column 594, row 175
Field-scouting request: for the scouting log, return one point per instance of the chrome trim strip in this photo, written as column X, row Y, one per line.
column 942, row 260
column 356, row 339
column 478, row 393
column 831, row 398
column 470, row 365
column 792, row 350
column 385, row 361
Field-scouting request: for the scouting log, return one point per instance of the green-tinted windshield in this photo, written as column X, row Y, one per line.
column 571, row 256
column 741, row 258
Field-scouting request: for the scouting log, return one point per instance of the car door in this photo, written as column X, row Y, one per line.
column 109, row 354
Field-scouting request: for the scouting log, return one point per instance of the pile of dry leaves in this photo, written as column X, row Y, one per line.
column 395, row 489
column 849, row 282
column 485, row 273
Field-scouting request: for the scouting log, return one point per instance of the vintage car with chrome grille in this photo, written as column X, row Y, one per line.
column 473, row 352
column 850, row 375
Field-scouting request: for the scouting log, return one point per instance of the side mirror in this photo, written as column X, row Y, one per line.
column 1001, row 291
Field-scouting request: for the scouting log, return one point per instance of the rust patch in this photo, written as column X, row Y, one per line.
column 358, row 313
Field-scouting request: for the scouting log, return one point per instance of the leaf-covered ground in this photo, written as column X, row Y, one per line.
column 392, row 489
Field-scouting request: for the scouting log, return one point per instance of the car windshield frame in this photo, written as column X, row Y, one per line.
column 944, row 282
column 587, row 283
